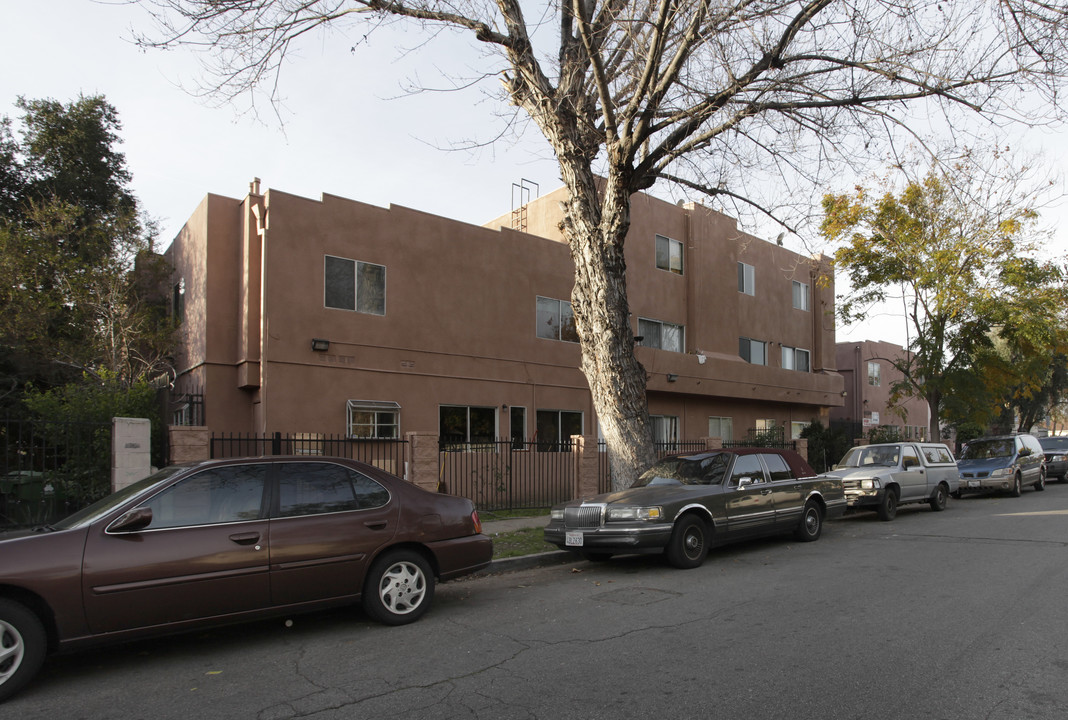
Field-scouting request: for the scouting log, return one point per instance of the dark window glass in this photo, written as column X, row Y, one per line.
column 777, row 467
column 369, row 494
column 340, row 283
column 314, row 488
column 220, row 495
column 747, row 466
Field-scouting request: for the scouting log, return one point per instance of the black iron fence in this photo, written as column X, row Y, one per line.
column 51, row 469
column 386, row 454
column 508, row 474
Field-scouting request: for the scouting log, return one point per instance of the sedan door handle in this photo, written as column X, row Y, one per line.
column 765, row 492
column 245, row 538
column 376, row 524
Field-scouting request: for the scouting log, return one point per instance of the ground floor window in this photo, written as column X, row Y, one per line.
column 665, row 432
column 366, row 419
column 721, row 427
column 518, row 426
column 555, row 427
column 796, row 428
column 467, row 425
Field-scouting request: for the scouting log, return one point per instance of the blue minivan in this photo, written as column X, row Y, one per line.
column 1002, row 462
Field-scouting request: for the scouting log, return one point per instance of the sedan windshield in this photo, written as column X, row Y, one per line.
column 986, row 449
column 1054, row 443
column 686, row 471
column 885, row 455
column 107, row 504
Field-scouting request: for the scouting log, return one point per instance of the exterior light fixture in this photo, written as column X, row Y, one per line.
column 320, row 345
column 672, row 377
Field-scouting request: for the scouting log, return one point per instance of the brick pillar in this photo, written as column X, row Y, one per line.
column 587, row 459
column 189, row 443
column 802, row 448
column 424, row 464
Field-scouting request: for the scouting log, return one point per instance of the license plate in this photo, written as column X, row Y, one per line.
column 973, row 483
column 573, row 539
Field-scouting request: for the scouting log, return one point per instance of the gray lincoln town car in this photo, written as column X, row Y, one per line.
column 687, row 503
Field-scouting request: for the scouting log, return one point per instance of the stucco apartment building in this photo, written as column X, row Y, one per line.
column 336, row 317
column 869, row 374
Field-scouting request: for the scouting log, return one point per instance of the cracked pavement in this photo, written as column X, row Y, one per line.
column 934, row 615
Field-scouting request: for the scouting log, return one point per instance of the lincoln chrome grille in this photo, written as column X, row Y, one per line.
column 584, row 516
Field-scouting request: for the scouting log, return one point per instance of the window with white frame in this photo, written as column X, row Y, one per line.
column 467, row 424
column 372, row 420
column 795, row 359
column 801, row 295
column 665, row 431
column 662, row 335
column 518, row 426
column 669, row 254
column 875, row 378
column 765, row 424
column 796, row 428
column 721, row 427
column 746, row 279
column 354, row 285
column 555, row 320
column 753, row 351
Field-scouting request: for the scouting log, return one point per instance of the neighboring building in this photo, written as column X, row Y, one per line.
column 869, row 374
column 336, row 317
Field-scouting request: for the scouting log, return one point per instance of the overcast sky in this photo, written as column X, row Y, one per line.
column 348, row 127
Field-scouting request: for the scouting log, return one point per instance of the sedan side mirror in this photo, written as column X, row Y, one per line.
column 132, row 521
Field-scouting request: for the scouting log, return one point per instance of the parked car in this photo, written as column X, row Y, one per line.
column 685, row 504
column 883, row 476
column 1002, row 462
column 1056, row 451
column 226, row 541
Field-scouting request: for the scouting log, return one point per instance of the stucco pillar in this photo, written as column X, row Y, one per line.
column 712, row 443
column 188, row 443
column 802, row 447
column 587, row 459
column 131, row 451
column 423, row 468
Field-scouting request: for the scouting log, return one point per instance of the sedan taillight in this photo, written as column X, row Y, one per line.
column 477, row 522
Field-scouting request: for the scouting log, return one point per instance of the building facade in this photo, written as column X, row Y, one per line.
column 332, row 316
column 869, row 374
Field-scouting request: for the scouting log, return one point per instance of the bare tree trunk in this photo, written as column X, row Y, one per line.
column 595, row 228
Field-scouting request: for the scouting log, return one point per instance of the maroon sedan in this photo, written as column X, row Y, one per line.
column 226, row 541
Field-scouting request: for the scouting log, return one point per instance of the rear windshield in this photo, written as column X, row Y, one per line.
column 1054, row 443
column 867, row 456
column 686, row 471
column 987, row 449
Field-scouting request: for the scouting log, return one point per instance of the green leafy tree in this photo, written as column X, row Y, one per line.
column 709, row 97
column 70, row 233
column 950, row 248
column 92, row 403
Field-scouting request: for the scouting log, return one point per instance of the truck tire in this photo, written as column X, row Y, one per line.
column 888, row 505
column 938, row 500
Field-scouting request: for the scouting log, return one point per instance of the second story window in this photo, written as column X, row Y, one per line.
column 669, row 254
column 801, row 296
column 746, row 279
column 874, row 374
column 555, row 320
column 354, row 285
column 795, row 359
column 753, row 351
column 662, row 335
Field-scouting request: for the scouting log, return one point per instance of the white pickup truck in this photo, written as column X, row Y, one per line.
column 881, row 477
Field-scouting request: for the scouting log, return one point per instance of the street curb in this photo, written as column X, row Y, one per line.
column 527, row 562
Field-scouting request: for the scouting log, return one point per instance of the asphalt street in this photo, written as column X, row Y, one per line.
column 958, row 614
